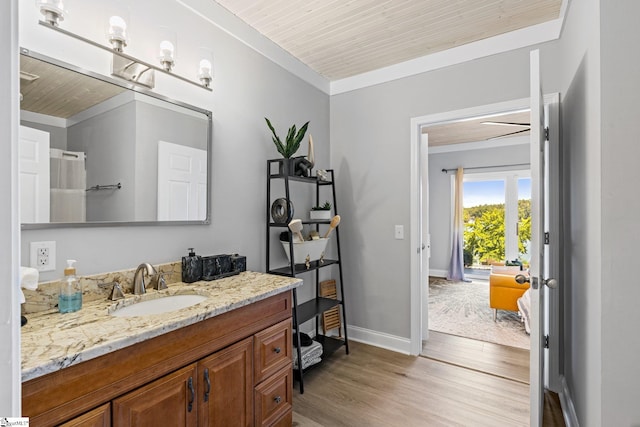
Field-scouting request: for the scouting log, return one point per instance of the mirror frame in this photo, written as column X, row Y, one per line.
column 144, row 91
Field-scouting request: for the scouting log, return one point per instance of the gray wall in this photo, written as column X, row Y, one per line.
column 247, row 87
column 108, row 140
column 620, row 68
column 370, row 149
column 580, row 116
column 440, row 191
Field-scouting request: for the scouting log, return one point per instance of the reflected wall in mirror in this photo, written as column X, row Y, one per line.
column 95, row 151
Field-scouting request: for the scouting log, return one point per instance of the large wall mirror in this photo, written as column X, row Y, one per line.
column 96, row 151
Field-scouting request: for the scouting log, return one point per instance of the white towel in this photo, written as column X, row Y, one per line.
column 28, row 280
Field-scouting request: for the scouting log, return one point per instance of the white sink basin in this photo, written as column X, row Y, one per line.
column 159, row 305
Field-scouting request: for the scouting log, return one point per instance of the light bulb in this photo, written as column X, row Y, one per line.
column 166, row 50
column 205, row 68
column 117, row 33
column 53, row 10
column 117, row 28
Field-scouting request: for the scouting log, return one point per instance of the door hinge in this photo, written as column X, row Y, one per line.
column 546, row 133
column 546, row 341
column 546, row 238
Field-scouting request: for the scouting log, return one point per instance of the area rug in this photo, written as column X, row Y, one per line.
column 462, row 308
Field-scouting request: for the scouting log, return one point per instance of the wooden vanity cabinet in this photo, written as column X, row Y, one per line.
column 226, row 386
column 213, row 373
column 170, row 401
column 99, row 417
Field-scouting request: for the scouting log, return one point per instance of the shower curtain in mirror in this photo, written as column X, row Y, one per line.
column 456, row 265
column 68, row 185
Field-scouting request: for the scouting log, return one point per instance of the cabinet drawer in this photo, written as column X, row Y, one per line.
column 273, row 398
column 99, row 417
column 273, row 348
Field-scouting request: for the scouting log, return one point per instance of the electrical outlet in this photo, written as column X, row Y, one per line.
column 43, row 255
column 399, row 232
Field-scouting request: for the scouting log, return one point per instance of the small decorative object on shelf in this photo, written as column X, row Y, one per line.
column 320, row 212
column 282, row 211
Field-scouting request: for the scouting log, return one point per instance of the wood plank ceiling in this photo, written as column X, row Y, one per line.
column 480, row 129
column 339, row 38
column 55, row 91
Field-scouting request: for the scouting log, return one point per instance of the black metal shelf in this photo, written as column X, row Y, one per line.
column 315, row 307
column 307, row 221
column 302, row 268
column 309, row 180
column 329, row 346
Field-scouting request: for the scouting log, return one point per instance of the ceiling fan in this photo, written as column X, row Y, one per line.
column 527, row 127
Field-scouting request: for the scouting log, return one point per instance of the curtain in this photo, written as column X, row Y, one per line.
column 68, row 185
column 456, row 265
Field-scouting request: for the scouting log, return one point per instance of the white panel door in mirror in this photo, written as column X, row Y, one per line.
column 34, row 175
column 182, row 182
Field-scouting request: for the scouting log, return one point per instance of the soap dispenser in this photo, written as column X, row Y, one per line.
column 70, row 297
column 191, row 267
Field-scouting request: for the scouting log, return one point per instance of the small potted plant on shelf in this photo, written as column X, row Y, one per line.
column 289, row 147
column 321, row 211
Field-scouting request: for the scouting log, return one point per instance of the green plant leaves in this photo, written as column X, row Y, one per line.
column 292, row 143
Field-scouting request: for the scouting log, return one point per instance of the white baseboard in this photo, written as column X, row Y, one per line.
column 568, row 410
column 437, row 273
column 380, row 339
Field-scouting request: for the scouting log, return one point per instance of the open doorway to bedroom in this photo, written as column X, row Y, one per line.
column 496, row 214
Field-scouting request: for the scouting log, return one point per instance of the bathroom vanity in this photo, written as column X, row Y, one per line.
column 224, row 361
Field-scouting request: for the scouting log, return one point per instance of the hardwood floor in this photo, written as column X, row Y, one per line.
column 377, row 387
column 495, row 359
column 472, row 384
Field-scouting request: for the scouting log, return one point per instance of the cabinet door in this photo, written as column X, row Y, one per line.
column 99, row 417
column 274, row 400
column 225, row 386
column 273, row 350
column 167, row 401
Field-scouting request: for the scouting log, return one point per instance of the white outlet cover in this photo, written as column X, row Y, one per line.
column 51, row 264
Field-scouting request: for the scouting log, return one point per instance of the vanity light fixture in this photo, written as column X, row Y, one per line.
column 117, row 33
column 166, row 55
column 53, row 10
column 126, row 66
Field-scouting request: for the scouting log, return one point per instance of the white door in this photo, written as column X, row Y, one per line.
column 425, row 245
column 182, row 182
column 34, row 175
column 536, row 272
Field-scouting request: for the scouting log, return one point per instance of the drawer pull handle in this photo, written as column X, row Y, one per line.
column 192, row 394
column 207, row 390
column 277, row 399
column 277, row 350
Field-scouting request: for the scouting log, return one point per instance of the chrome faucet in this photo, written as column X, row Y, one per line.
column 139, row 287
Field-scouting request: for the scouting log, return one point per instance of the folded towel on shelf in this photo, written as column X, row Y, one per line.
column 310, row 355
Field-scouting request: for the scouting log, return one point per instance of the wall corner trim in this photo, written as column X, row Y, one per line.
column 568, row 410
column 380, row 339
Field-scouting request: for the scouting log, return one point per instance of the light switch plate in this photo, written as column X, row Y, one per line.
column 399, row 232
column 43, row 255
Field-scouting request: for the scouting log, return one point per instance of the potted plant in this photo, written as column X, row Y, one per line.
column 290, row 145
column 321, row 211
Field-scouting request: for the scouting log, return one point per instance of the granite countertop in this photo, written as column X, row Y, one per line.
column 52, row 341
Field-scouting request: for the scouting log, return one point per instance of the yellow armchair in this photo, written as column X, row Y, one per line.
column 504, row 291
